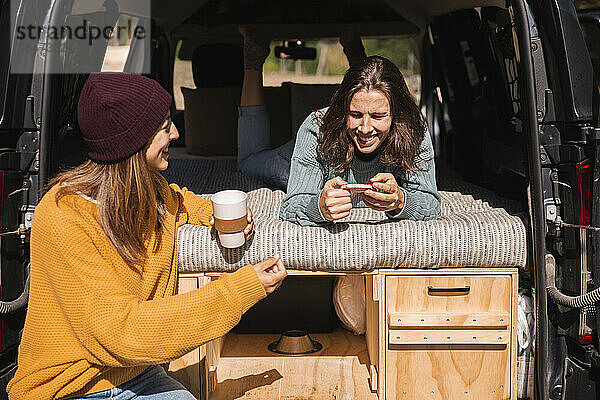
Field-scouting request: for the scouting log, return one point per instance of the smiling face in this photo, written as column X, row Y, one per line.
column 369, row 120
column 157, row 153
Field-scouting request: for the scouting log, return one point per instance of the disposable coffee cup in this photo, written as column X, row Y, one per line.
column 230, row 209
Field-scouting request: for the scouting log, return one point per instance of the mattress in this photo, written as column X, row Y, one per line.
column 476, row 228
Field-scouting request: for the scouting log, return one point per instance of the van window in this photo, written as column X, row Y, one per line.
column 586, row 4
column 403, row 51
column 331, row 63
column 119, row 45
column 182, row 77
column 328, row 67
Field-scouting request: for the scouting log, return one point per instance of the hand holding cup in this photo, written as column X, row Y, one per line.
column 248, row 231
column 232, row 218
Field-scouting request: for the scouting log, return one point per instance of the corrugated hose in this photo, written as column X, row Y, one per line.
column 10, row 307
column 581, row 301
column 562, row 299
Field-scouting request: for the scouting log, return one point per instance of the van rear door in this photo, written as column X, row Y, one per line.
column 590, row 25
column 17, row 161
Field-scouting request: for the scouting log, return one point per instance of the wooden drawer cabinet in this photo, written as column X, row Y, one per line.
column 443, row 293
column 444, row 334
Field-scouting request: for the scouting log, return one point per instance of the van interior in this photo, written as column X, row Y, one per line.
column 462, row 62
column 456, row 59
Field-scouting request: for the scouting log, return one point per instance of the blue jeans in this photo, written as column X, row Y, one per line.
column 255, row 158
column 152, row 384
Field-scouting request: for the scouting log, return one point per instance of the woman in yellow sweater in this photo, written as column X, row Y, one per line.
column 103, row 312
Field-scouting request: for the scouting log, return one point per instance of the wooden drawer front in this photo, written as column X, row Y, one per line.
column 448, row 372
column 448, row 336
column 463, row 294
column 450, row 320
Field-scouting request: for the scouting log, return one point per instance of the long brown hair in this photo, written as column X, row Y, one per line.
column 130, row 205
column 401, row 145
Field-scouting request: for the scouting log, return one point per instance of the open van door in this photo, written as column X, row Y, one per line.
column 18, row 174
column 570, row 153
column 590, row 26
column 38, row 96
column 558, row 74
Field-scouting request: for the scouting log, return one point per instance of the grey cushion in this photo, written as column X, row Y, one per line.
column 469, row 232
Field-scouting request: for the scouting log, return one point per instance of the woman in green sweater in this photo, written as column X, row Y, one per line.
column 372, row 134
column 103, row 310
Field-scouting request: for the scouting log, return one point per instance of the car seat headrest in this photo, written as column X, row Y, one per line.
column 218, row 65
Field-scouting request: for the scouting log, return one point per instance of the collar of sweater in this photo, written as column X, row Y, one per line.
column 85, row 196
column 365, row 165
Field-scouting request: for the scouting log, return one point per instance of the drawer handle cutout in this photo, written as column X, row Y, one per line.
column 451, row 291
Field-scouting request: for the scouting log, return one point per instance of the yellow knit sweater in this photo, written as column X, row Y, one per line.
column 93, row 322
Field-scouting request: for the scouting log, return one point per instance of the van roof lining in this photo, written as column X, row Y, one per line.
column 169, row 16
column 194, row 35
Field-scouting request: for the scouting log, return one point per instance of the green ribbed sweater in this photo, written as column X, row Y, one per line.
column 308, row 174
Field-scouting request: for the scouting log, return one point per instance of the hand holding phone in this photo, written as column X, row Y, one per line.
column 357, row 187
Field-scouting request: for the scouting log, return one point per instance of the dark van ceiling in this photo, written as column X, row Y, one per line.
column 295, row 12
column 172, row 14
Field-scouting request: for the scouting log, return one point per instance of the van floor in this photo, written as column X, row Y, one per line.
column 248, row 370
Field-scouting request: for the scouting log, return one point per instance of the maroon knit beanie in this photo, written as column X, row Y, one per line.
column 118, row 113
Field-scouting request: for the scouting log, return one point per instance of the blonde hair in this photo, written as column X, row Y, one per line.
column 130, row 205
